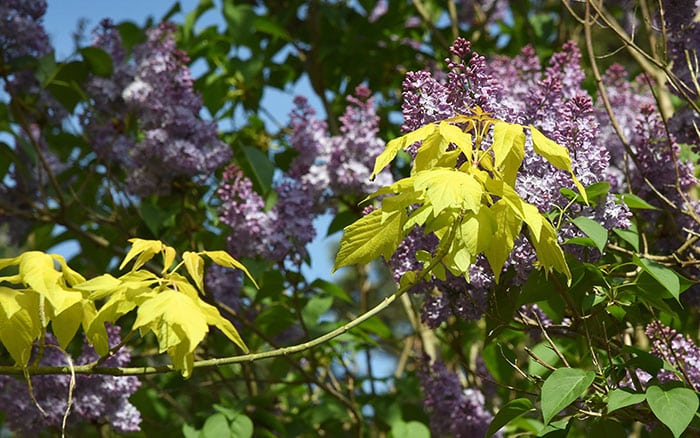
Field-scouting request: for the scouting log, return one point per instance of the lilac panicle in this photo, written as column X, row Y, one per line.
column 452, row 410
column 96, row 398
column 676, row 349
column 156, row 88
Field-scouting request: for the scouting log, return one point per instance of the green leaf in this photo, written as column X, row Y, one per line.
column 409, row 429
column 630, row 235
column 99, row 61
column 674, row 407
column 258, row 167
column 508, row 412
column 608, row 428
column 594, row 230
column 216, row 426
column 635, row 202
column 561, row 388
column 666, row 276
column 315, row 308
column 621, row 398
column 370, row 237
column 241, row 427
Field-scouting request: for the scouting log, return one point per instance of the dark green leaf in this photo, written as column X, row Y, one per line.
column 99, row 61
column 621, row 398
column 561, row 388
column 666, row 276
column 594, row 230
column 634, row 201
column 508, row 412
column 258, row 168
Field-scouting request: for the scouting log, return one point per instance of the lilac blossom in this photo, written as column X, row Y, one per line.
column 96, row 398
column 158, row 89
column 674, row 348
column 452, row 410
column 678, row 350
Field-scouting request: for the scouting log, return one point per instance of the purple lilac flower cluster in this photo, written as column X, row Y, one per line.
column 98, row 399
column 158, row 89
column 656, row 171
column 678, row 350
column 453, row 411
column 518, row 91
column 326, row 167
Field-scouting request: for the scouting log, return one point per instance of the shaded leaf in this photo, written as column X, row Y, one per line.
column 561, row 388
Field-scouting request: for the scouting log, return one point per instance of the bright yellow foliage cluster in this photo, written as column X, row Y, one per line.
column 475, row 202
column 45, row 290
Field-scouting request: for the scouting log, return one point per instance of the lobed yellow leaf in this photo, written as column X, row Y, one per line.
column 549, row 254
column 213, row 317
column 72, row 277
column 450, row 188
column 178, row 323
column 18, row 332
column 430, row 153
column 369, row 237
column 395, row 145
column 557, row 155
column 504, row 235
column 195, row 267
column 144, row 250
column 222, row 258
column 508, row 149
column 168, row 257
column 453, row 134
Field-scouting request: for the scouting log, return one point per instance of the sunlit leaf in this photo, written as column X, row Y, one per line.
column 144, row 249
column 222, row 258
column 503, row 236
column 508, row 149
column 395, row 145
column 557, row 155
column 368, row 238
column 449, row 188
column 195, row 267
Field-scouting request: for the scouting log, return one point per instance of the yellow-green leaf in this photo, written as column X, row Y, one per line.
column 430, row 153
column 368, row 238
column 549, row 253
column 222, row 258
column 557, row 155
column 213, row 317
column 178, row 323
column 168, row 257
column 453, row 134
column 504, row 234
column 393, row 147
column 508, row 149
column 449, row 188
column 9, row 303
column 71, row 276
column 195, row 267
column 100, row 287
column 65, row 325
column 19, row 332
column 144, row 249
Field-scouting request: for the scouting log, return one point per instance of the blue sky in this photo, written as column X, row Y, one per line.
column 61, row 22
